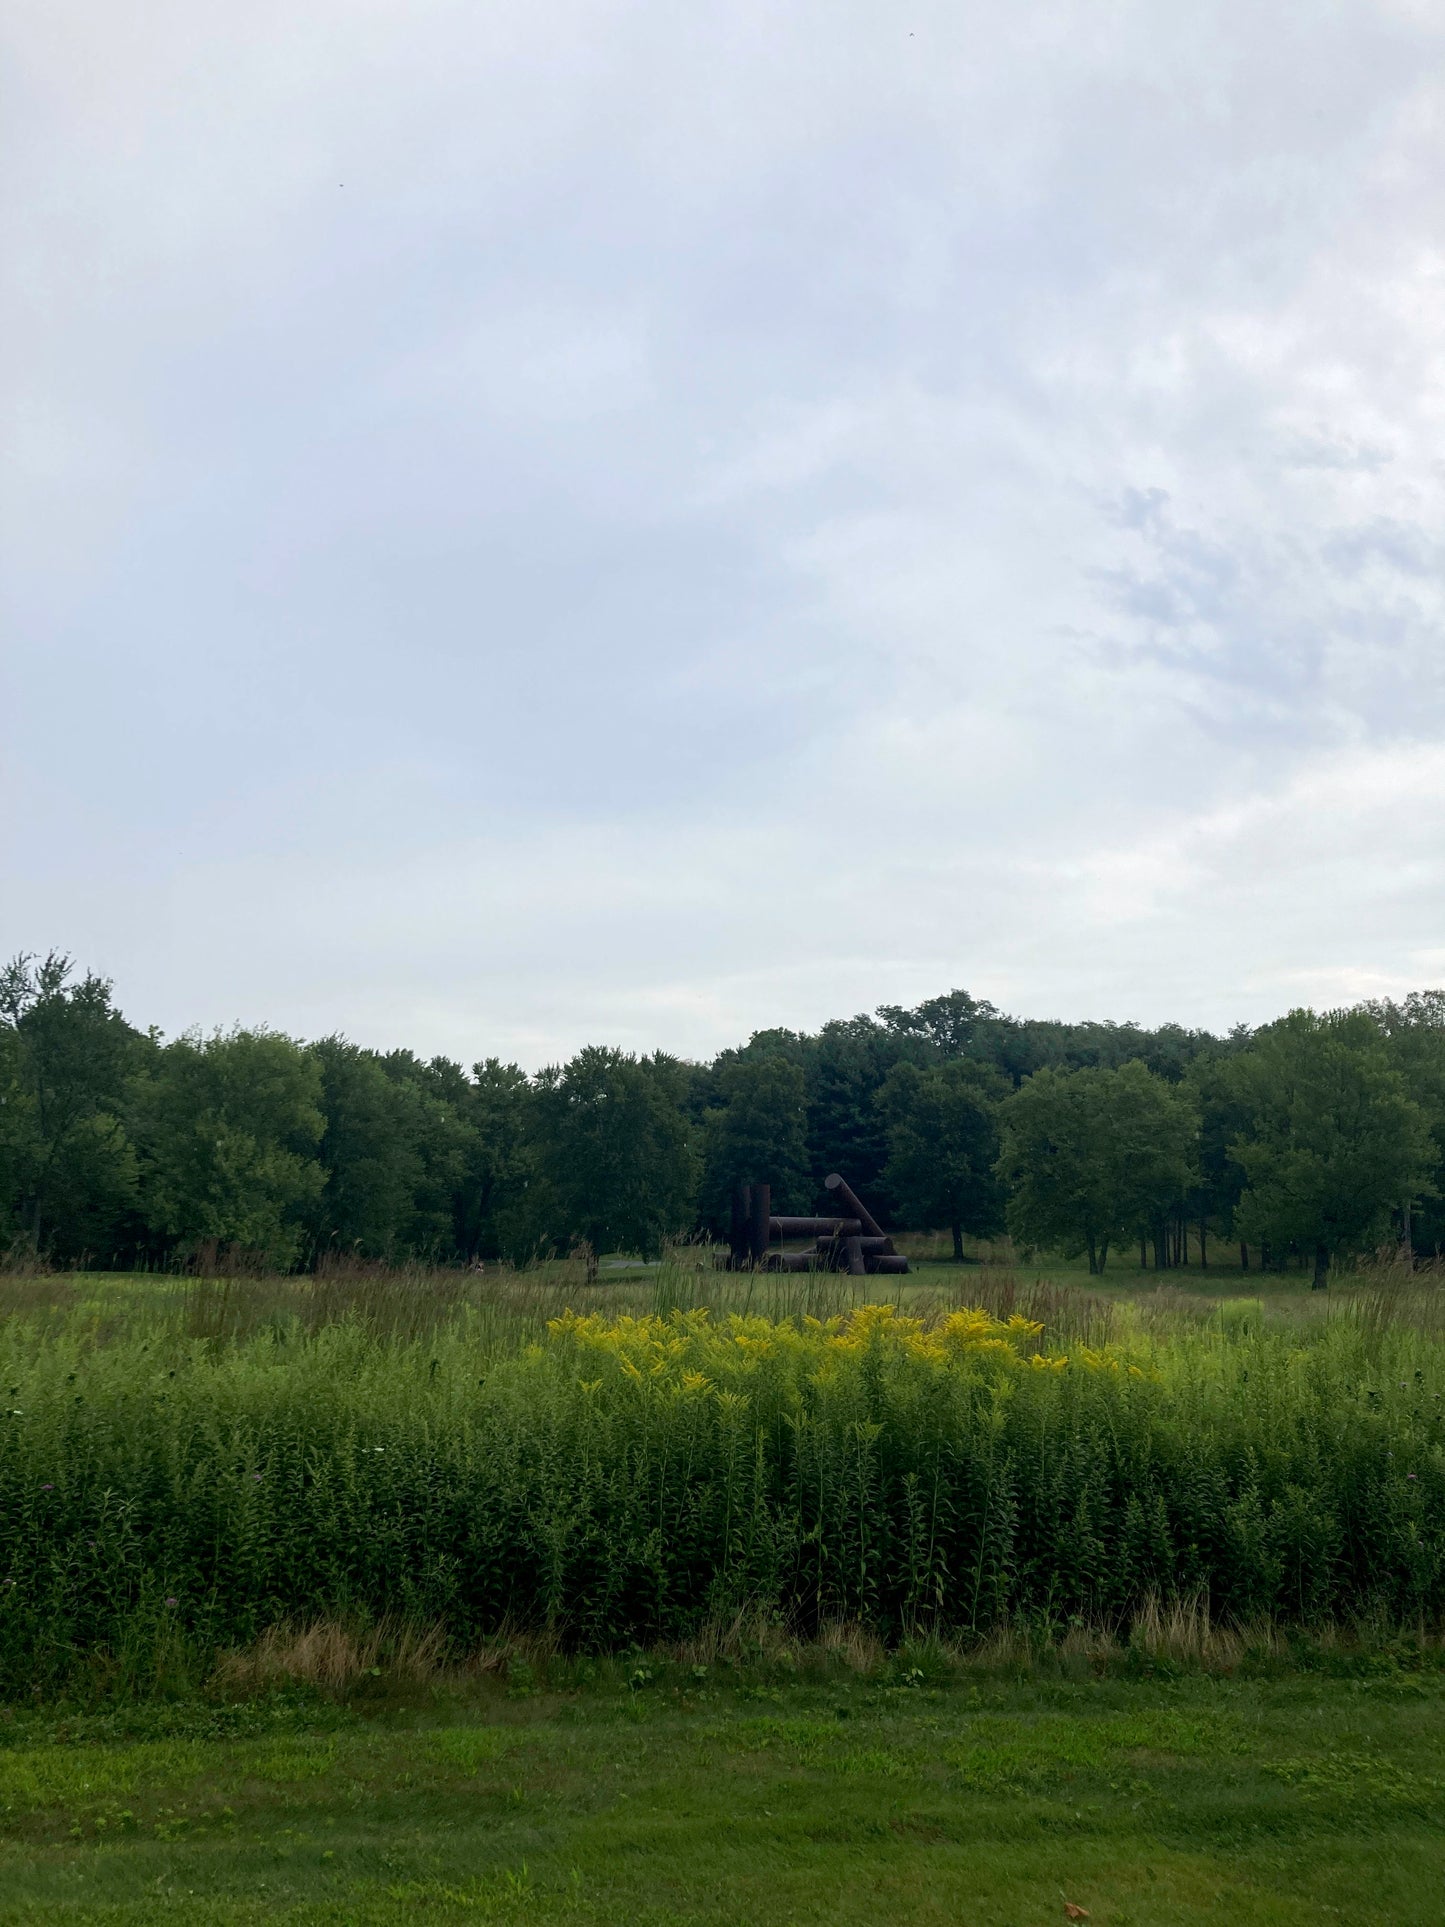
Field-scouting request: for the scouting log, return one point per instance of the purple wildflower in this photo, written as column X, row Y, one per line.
column 47, row 1488
column 173, row 1602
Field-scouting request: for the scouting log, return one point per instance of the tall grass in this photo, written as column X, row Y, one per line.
column 176, row 1481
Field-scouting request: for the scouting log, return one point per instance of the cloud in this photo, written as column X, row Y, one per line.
column 647, row 524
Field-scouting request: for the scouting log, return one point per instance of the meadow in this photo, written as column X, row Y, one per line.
column 691, row 1596
column 186, row 1466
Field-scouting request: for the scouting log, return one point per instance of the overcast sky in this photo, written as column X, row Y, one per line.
column 528, row 524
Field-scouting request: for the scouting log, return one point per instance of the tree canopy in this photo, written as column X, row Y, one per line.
column 1092, row 1156
column 943, row 1146
column 1307, row 1140
column 1334, row 1139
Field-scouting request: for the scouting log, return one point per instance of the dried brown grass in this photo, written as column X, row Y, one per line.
column 1182, row 1632
column 754, row 1638
column 335, row 1657
column 20, row 1259
column 1394, row 1290
column 1178, row 1634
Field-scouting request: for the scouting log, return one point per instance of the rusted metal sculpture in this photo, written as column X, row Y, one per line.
column 855, row 1243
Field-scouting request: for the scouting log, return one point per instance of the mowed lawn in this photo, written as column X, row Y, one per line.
column 1295, row 1799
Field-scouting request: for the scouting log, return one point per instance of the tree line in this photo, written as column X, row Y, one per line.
column 1306, row 1140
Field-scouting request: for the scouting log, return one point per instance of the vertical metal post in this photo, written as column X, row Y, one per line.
column 738, row 1239
column 760, row 1211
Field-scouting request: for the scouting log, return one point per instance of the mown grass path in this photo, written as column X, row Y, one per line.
column 1145, row 1802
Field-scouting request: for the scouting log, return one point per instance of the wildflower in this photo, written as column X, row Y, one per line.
column 257, row 1477
column 47, row 1488
column 173, row 1601
column 1409, row 1475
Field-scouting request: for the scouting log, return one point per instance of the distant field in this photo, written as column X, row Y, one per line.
column 1221, row 1271
column 878, row 1800
column 620, row 1275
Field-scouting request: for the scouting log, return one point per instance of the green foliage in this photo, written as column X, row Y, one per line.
column 1334, row 1138
column 1091, row 1156
column 438, row 1096
column 846, row 1065
column 943, row 1146
column 369, row 1151
column 1218, row 1096
column 501, row 1163
column 116, row 1148
column 618, row 1167
column 622, row 1482
column 1413, row 1032
column 65, row 1053
column 227, row 1128
column 758, row 1133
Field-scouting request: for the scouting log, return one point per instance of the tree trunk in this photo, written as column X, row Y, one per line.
column 1203, row 1245
column 1103, row 1256
column 1322, row 1268
column 1243, row 1255
column 1407, row 1238
column 1143, row 1251
column 957, row 1231
column 1093, row 1258
column 1161, row 1250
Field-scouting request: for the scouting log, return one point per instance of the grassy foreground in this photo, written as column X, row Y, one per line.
column 1149, row 1801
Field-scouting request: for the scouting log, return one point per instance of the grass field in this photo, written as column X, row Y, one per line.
column 1145, row 1802
column 365, row 1465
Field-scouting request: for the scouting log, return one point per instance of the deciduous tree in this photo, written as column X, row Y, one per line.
column 227, row 1127
column 1334, row 1139
column 615, row 1151
column 67, row 1170
column 1092, row 1155
column 943, row 1146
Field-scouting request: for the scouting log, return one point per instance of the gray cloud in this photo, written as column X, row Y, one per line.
column 521, row 526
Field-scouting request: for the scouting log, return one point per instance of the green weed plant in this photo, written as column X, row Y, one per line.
column 172, row 1492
